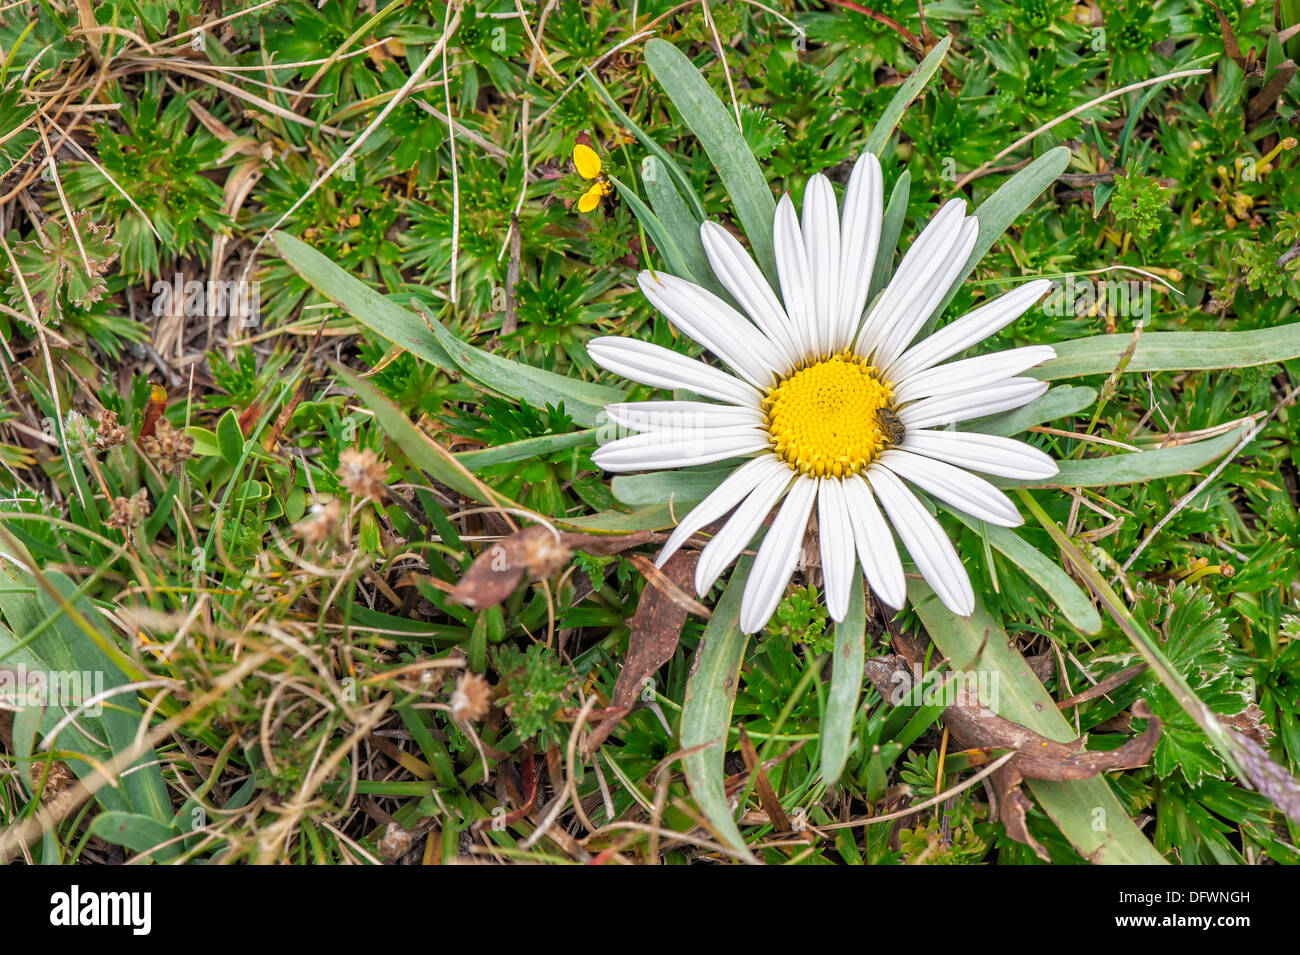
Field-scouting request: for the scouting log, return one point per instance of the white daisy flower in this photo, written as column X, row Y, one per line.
column 836, row 412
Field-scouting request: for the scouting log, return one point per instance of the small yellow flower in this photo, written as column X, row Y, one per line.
column 588, row 165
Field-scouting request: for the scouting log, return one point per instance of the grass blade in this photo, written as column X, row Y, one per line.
column 1139, row 466
column 1056, row 583
column 1172, row 351
column 978, row 642
column 891, row 227
column 846, row 686
column 706, row 710
column 910, row 90
column 433, row 343
column 998, row 211
column 721, row 138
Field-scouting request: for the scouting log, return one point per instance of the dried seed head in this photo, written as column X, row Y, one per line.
column 130, row 511
column 321, row 523
column 396, row 842
column 471, row 698
column 362, row 473
column 545, row 552
column 109, row 433
column 169, row 448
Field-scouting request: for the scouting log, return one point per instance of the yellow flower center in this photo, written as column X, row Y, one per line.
column 823, row 418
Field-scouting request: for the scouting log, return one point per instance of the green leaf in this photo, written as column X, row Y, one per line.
column 910, row 90
column 381, row 315
column 664, row 239
column 1139, row 466
column 682, row 226
column 656, row 517
column 678, row 487
column 978, row 642
column 1000, row 210
column 891, row 227
column 1172, row 351
column 525, row 449
column 706, row 709
column 846, row 686
column 131, row 830
column 433, row 343
column 1059, row 402
column 717, row 131
column 230, row 439
column 684, row 187
column 53, row 640
column 1143, row 641
column 585, row 402
column 1056, row 583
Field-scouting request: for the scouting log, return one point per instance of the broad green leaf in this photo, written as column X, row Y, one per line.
column 1172, row 351
column 525, row 449
column 42, row 635
column 678, row 487
column 655, row 517
column 1059, row 402
column 891, row 227
column 230, row 439
column 665, row 241
column 846, row 686
column 682, row 226
column 706, row 709
column 684, row 187
column 978, row 642
column 381, row 315
column 433, row 343
column 1138, row 466
column 131, row 830
column 910, row 90
column 717, row 131
column 1000, row 210
column 1056, row 583
column 584, row 402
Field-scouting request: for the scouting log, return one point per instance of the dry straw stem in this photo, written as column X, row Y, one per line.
column 1249, row 433
column 1029, row 137
column 438, row 48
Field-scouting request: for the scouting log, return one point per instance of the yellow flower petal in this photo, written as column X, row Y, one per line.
column 588, row 163
column 591, row 198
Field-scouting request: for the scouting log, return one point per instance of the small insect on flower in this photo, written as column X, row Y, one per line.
column 891, row 426
column 588, row 165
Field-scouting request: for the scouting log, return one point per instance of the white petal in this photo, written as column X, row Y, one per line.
column 961, row 489
column 715, row 325
column 821, row 243
column 740, row 528
column 929, row 547
column 989, row 453
column 916, row 271
column 971, row 329
column 796, row 282
column 895, row 342
column 969, row 373
column 864, row 206
column 777, row 556
column 836, row 538
column 652, row 364
column 681, row 415
column 740, row 276
column 964, row 405
column 875, row 544
column 657, row 450
column 721, row 500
